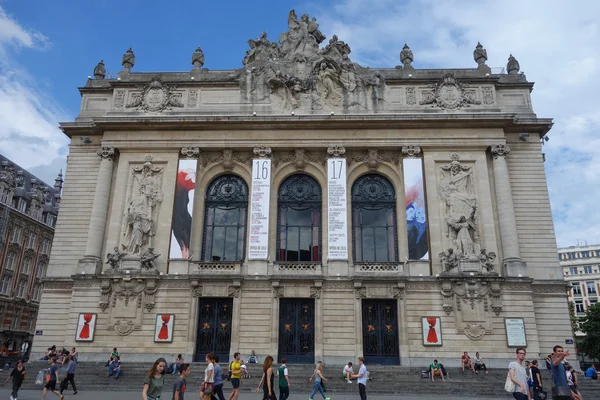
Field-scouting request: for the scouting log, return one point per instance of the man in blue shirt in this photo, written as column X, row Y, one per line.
column 71, row 374
column 218, row 387
column 592, row 372
column 559, row 374
column 115, row 367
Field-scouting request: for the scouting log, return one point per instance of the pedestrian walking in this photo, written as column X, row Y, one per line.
column 70, row 378
column 284, row 380
column 218, row 389
column 236, row 370
column 180, row 384
column 52, row 379
column 318, row 375
column 267, row 380
column 17, row 375
column 209, row 378
column 361, row 378
column 518, row 375
column 155, row 380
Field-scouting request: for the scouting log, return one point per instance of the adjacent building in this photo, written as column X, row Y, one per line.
column 305, row 206
column 581, row 268
column 28, row 211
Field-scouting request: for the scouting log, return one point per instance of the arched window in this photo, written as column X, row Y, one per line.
column 299, row 219
column 225, row 219
column 374, row 234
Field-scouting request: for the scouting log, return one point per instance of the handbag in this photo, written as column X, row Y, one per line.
column 39, row 379
column 64, row 384
column 561, row 393
column 207, row 387
column 509, row 385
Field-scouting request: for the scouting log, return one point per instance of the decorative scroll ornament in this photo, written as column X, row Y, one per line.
column 107, row 153
column 499, row 150
column 156, row 97
column 449, row 93
column 278, row 292
column 300, row 189
column 360, row 292
column 411, row 151
column 124, row 327
column 474, row 331
column 315, row 292
column 336, row 151
column 262, row 151
column 233, row 291
column 190, row 152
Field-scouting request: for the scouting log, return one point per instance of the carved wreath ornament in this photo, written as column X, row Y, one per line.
column 156, row 97
column 449, row 93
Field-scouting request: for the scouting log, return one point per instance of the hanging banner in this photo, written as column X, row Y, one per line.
column 416, row 218
column 337, row 210
column 183, row 209
column 259, row 210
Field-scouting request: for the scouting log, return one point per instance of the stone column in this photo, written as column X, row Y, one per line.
column 506, row 213
column 92, row 260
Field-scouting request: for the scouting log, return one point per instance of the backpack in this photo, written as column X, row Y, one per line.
column 229, row 373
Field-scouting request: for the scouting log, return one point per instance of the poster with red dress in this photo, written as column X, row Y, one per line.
column 163, row 333
column 432, row 331
column 86, row 327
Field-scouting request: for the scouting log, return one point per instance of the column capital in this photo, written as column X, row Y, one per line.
column 411, row 151
column 190, row 152
column 499, row 150
column 336, row 151
column 107, row 153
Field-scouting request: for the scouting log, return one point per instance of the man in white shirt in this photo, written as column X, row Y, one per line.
column 361, row 378
column 347, row 372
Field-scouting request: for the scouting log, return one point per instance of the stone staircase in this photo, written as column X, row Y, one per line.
column 92, row 376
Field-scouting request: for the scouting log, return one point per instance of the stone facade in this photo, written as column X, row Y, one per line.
column 28, row 211
column 298, row 105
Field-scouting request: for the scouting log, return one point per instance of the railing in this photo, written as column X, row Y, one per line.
column 297, row 268
column 382, row 268
column 211, row 267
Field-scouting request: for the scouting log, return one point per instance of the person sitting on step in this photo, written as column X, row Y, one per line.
column 435, row 369
column 253, row 358
column 465, row 361
column 479, row 364
column 347, row 372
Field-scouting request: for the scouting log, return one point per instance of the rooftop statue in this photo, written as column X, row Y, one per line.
column 406, row 56
column 480, row 54
column 128, row 60
column 198, row 58
column 100, row 71
column 512, row 67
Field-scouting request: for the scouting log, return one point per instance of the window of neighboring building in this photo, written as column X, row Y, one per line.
column 16, row 234
column 593, row 302
column 32, row 320
column 591, row 288
column 41, row 270
column 22, row 288
column 587, row 270
column 570, row 256
column 37, row 292
column 4, row 195
column 579, row 307
column 299, row 219
column 45, row 246
column 26, row 267
column 50, row 218
column 585, row 254
column 31, row 239
column 5, row 283
column 225, row 218
column 572, row 270
column 16, row 321
column 22, row 205
column 374, row 221
column 11, row 260
column 576, row 289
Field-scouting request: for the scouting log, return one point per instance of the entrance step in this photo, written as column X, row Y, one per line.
column 385, row 380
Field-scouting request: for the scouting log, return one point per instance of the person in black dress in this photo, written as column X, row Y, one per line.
column 267, row 380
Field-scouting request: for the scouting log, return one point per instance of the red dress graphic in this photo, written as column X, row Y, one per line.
column 163, row 334
column 432, row 334
column 85, row 330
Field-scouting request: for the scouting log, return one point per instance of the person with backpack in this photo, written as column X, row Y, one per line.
column 18, row 376
column 284, row 380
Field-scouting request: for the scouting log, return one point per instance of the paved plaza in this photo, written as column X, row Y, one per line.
column 193, row 395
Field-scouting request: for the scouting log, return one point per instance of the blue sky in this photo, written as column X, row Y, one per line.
column 49, row 48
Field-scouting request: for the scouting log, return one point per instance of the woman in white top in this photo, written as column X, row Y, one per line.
column 209, row 378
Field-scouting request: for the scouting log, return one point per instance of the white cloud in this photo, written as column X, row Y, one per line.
column 29, row 117
column 556, row 43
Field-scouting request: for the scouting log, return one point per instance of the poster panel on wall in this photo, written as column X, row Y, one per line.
column 416, row 212
column 337, row 210
column 259, row 210
column 183, row 209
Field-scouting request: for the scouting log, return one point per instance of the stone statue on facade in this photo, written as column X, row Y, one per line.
column 480, row 57
column 457, row 192
column 147, row 259
column 328, row 85
column 100, row 71
column 142, row 210
column 449, row 259
column 406, row 56
column 512, row 67
column 198, row 58
column 487, row 260
column 114, row 259
column 128, row 60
